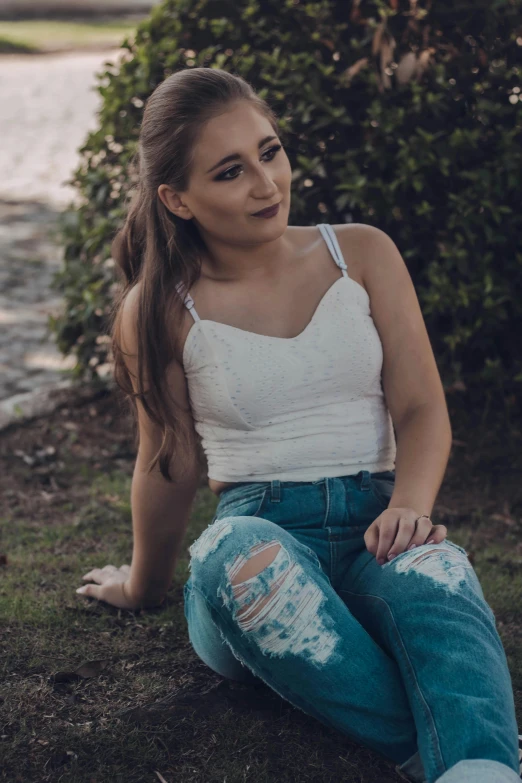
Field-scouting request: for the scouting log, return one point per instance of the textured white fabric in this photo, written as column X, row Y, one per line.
column 293, row 409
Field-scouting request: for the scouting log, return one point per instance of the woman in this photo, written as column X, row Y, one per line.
column 297, row 355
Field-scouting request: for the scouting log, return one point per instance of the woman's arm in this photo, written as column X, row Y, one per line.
column 160, row 510
column 160, row 514
column 412, row 389
column 423, row 447
column 410, row 378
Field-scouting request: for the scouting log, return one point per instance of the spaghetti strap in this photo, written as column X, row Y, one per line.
column 188, row 301
column 331, row 240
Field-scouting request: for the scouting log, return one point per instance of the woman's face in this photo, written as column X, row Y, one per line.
column 222, row 196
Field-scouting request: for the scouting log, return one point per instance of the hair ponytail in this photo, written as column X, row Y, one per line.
column 129, row 243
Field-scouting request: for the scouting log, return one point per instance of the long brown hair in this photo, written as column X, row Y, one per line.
column 159, row 250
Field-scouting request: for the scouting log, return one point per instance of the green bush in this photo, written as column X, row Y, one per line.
column 401, row 116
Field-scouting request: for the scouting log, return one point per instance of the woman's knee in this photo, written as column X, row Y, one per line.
column 268, row 583
column 443, row 568
column 275, row 597
column 220, row 540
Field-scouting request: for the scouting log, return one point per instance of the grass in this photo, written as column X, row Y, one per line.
column 151, row 705
column 37, row 36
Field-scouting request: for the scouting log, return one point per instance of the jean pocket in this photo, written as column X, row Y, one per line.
column 382, row 489
column 248, row 504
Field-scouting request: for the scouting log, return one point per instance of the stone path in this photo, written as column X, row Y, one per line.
column 48, row 106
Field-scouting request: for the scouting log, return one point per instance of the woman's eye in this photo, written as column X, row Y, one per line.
column 273, row 150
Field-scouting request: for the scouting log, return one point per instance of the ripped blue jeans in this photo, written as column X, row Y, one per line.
column 404, row 658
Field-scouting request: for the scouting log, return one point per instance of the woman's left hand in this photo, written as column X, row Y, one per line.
column 395, row 530
column 109, row 586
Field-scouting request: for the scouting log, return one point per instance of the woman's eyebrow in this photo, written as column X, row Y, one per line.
column 236, row 155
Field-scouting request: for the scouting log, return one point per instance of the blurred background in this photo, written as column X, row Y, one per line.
column 403, row 114
column 50, row 53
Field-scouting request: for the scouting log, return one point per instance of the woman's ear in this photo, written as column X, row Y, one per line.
column 173, row 202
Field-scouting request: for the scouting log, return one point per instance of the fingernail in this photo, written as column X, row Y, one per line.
column 431, row 541
column 412, row 547
column 381, row 560
column 391, row 556
column 81, row 590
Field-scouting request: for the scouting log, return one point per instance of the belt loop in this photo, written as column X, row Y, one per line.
column 275, row 491
column 364, row 481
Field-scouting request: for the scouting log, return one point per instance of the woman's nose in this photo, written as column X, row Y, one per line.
column 265, row 187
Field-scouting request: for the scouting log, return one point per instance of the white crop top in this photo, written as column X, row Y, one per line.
column 298, row 408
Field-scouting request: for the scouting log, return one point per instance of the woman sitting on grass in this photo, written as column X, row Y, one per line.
column 299, row 357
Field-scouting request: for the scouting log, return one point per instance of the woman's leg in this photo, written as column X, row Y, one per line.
column 426, row 608
column 208, row 642
column 276, row 610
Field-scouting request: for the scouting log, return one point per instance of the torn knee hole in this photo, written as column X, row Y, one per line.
column 275, row 601
column 263, row 555
column 246, row 569
column 451, row 570
column 424, row 554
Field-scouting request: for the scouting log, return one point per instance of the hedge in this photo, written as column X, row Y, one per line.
column 403, row 116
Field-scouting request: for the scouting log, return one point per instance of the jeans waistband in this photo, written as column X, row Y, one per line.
column 275, row 486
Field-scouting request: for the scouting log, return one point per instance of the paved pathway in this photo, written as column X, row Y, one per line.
column 48, row 106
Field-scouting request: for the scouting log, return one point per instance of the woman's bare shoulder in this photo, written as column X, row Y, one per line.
column 356, row 242
column 353, row 240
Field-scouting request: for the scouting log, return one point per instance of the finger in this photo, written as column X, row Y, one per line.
column 99, row 575
column 96, row 575
column 387, row 534
column 402, row 539
column 371, row 538
column 421, row 534
column 437, row 534
column 91, row 591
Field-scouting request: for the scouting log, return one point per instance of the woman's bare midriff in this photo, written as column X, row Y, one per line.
column 218, row 486
column 311, row 248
